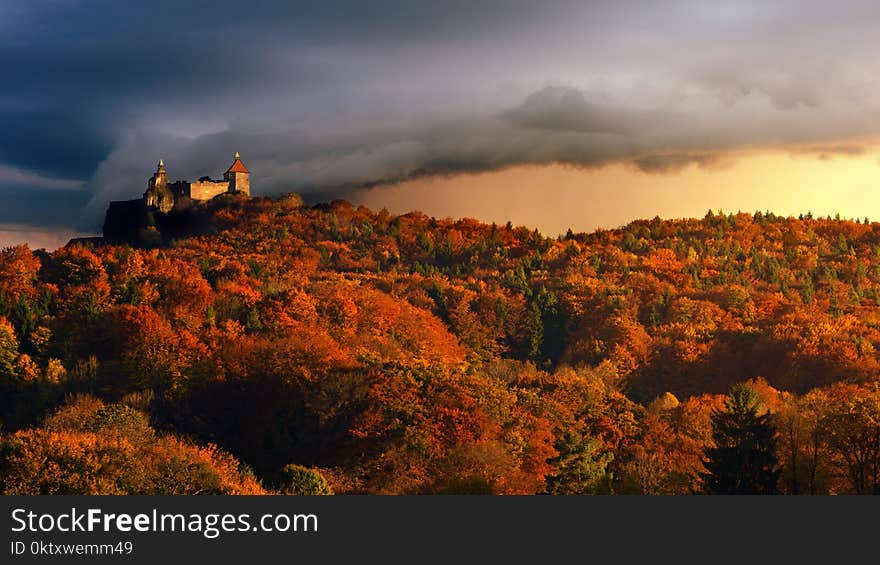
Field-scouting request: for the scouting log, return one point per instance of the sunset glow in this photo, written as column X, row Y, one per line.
column 555, row 198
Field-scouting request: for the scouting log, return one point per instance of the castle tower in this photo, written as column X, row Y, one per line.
column 238, row 176
column 158, row 195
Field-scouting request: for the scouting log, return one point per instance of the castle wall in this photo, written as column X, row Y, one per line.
column 206, row 190
column 240, row 182
column 179, row 188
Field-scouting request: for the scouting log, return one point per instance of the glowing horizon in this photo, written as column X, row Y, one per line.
column 554, row 198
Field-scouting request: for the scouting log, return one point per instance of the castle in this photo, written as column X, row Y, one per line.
column 163, row 196
column 166, row 208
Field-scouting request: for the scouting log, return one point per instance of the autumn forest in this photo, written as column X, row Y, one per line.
column 273, row 347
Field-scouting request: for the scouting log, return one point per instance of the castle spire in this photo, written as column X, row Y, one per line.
column 237, row 166
column 161, row 162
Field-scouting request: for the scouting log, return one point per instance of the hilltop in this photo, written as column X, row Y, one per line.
column 665, row 302
column 414, row 354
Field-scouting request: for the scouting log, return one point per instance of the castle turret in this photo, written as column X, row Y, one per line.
column 158, row 195
column 239, row 176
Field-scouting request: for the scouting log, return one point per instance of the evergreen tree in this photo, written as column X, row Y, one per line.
column 299, row 480
column 8, row 349
column 547, row 339
column 582, row 467
column 743, row 460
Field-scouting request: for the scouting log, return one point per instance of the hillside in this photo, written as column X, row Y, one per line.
column 407, row 354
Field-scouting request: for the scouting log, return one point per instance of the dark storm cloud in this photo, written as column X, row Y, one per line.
column 559, row 108
column 670, row 163
column 40, row 207
column 326, row 97
column 828, row 152
column 53, row 141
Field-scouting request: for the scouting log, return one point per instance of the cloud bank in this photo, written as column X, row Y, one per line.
column 326, row 98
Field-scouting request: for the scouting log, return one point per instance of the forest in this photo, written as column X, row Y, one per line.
column 281, row 348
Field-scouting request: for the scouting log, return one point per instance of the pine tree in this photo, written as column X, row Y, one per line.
column 743, row 459
column 8, row 349
column 581, row 467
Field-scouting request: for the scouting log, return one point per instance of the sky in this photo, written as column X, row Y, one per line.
column 551, row 114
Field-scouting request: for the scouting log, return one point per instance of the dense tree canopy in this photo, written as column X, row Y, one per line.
column 408, row 354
